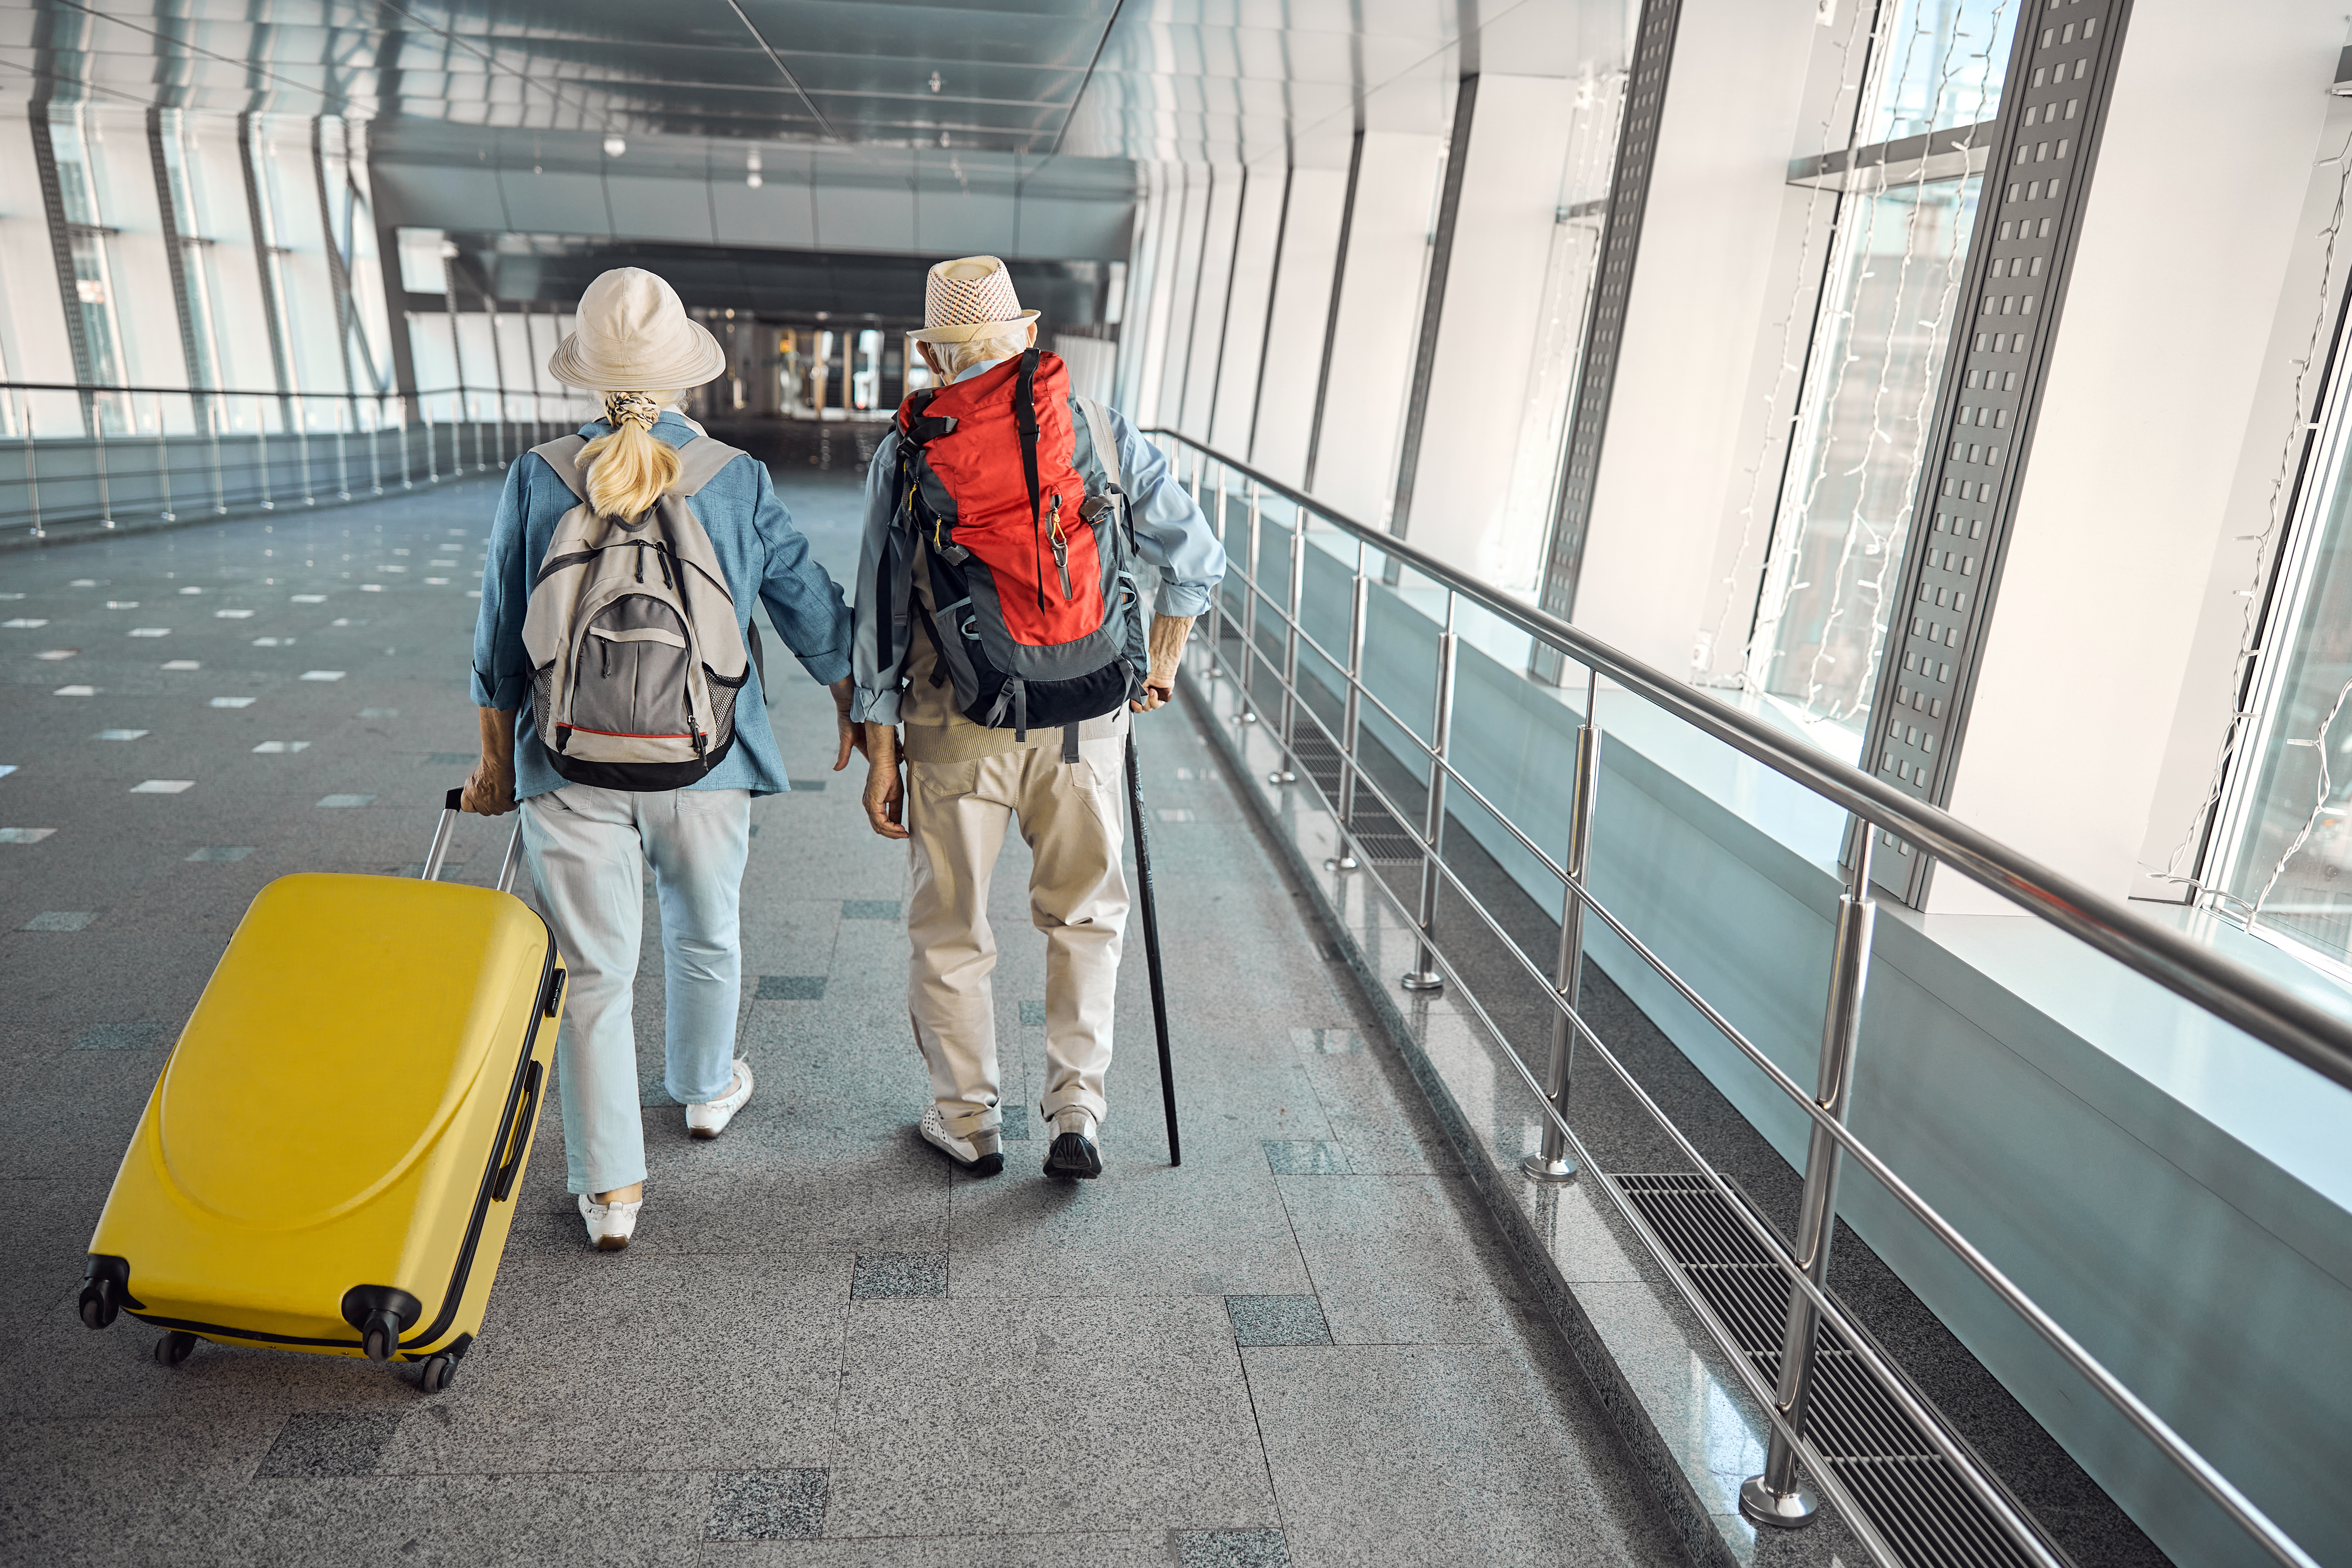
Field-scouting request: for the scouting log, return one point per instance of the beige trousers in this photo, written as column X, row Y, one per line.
column 1069, row 814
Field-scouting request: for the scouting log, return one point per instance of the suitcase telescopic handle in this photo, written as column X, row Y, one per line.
column 440, row 852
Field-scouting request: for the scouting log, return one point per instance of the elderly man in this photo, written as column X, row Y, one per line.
column 999, row 621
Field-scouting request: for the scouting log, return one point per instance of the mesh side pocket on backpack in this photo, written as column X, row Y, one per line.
column 723, row 693
column 542, row 698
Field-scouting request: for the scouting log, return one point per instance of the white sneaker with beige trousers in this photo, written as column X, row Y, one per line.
column 965, row 785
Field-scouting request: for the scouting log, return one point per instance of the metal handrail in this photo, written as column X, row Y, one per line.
column 387, row 394
column 2279, row 1018
column 2320, row 1040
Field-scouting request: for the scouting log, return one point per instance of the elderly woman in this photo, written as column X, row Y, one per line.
column 590, row 825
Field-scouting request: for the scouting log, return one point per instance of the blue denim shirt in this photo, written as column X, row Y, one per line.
column 1171, row 534
column 759, row 550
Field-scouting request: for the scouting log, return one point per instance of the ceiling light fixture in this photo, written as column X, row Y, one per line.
column 615, row 146
column 751, row 164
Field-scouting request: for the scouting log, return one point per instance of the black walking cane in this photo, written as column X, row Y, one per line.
column 1151, row 945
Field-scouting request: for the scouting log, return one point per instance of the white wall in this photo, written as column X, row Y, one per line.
column 1380, row 309
column 1693, row 322
column 1302, row 303
column 1488, row 329
column 1245, row 324
column 1207, row 337
column 2089, row 710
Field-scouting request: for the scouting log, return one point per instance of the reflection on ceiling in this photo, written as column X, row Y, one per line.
column 1144, row 80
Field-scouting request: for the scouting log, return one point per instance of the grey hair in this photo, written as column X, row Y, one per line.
column 958, row 358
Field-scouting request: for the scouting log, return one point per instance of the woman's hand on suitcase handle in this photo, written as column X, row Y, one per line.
column 853, row 735
column 886, row 791
column 490, row 788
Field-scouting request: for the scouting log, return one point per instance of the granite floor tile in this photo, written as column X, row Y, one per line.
column 766, row 1505
column 1232, row 1549
column 1403, row 1260
column 1212, row 1228
column 1443, row 1455
column 69, row 1497
column 1277, row 1321
column 778, row 1187
column 1087, row 1549
column 1157, row 1383
column 881, row 1275
column 316, row 1443
column 1313, row 1157
column 629, row 1360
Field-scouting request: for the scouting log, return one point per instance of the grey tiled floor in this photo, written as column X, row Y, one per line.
column 1303, row 1347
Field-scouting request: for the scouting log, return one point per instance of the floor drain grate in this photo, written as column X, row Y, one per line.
column 1922, row 1509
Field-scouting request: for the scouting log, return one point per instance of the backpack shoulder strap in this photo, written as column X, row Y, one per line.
column 562, row 455
column 700, row 462
column 1106, row 443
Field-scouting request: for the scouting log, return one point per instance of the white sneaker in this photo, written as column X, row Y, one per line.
column 610, row 1226
column 710, row 1119
column 982, row 1153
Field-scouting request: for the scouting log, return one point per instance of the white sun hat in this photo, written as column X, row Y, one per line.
column 635, row 336
column 967, row 298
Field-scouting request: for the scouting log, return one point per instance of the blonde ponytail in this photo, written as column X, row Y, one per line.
column 628, row 470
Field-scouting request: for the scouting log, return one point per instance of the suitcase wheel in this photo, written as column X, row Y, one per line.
column 380, row 1335
column 98, row 1304
column 437, row 1374
column 174, row 1348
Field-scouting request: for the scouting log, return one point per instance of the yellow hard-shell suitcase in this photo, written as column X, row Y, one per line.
column 331, row 1159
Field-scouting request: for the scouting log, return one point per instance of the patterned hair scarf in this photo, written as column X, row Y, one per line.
column 633, row 407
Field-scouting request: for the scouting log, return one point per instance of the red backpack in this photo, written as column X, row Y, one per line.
column 1040, row 621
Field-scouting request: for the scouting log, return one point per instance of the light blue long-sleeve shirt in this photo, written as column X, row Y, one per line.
column 1171, row 534
column 760, row 553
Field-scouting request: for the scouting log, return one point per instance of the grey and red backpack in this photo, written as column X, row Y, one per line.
column 1040, row 619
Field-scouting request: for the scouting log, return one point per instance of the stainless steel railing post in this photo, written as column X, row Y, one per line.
column 98, row 429
column 162, row 461
column 32, row 466
column 1351, row 712
column 1779, row 1497
column 1249, row 606
column 213, row 409
column 1551, row 1165
column 1424, row 974
column 345, row 415
column 1285, row 774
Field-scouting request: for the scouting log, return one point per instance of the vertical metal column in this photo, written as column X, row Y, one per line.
column 1352, row 714
column 32, row 466
column 1552, row 1165
column 2031, row 212
column 1286, row 774
column 1424, row 974
column 1779, row 1497
column 163, row 460
column 1249, row 606
column 97, row 402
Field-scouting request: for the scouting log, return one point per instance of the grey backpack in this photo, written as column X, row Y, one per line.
column 636, row 651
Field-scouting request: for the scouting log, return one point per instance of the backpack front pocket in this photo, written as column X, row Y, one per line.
column 629, row 674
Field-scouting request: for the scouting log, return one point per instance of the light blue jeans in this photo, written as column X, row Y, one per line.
column 586, row 847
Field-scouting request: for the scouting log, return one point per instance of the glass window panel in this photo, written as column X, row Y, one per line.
column 2294, row 870
column 1845, row 511
column 1944, row 64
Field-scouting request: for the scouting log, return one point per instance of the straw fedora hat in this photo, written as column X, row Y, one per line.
column 969, row 298
column 635, row 336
